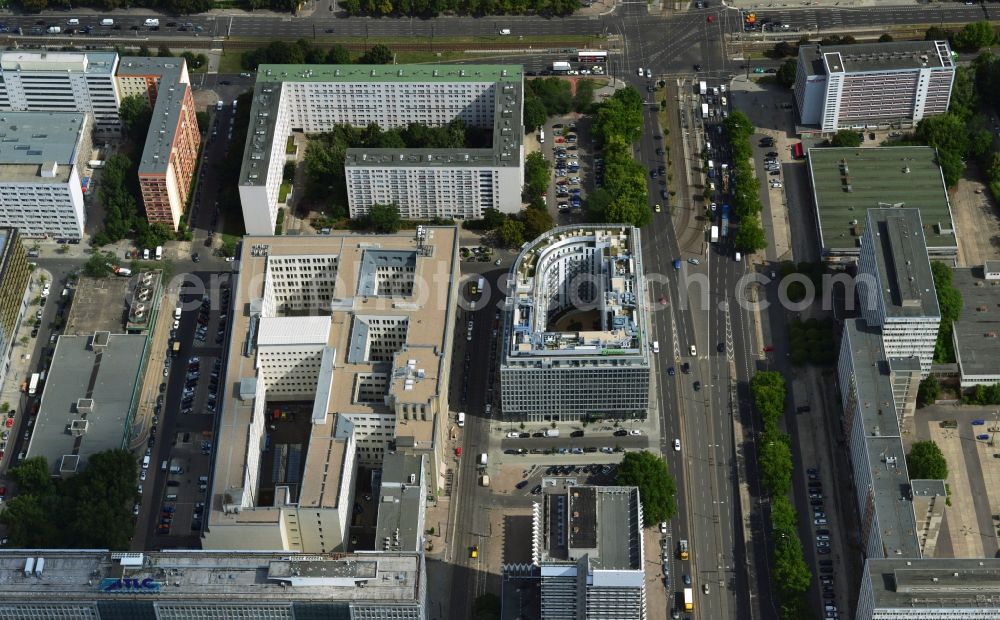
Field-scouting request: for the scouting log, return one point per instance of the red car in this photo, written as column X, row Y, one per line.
column 10, row 422
column 663, row 300
column 560, row 139
column 711, row 18
column 768, row 348
column 458, row 451
column 3, row 491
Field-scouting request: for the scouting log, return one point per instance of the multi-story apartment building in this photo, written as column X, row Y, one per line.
column 41, row 189
column 586, row 555
column 873, row 84
column 170, row 155
column 452, row 183
column 352, row 334
column 896, row 286
column 62, row 82
column 198, row 585
column 574, row 343
column 14, row 277
column 930, row 589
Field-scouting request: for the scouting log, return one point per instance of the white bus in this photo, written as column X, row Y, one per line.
column 591, row 57
column 33, row 384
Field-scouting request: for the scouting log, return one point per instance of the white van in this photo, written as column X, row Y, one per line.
column 159, row 252
column 145, row 253
column 163, row 466
column 177, row 313
column 461, row 419
column 72, row 22
column 739, row 257
column 107, row 22
column 656, row 346
column 505, row 31
column 482, row 460
column 171, row 498
column 176, row 469
column 151, row 23
column 145, row 462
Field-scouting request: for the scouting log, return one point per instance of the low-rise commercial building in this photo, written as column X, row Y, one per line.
column 575, row 333
column 41, row 159
column 896, row 285
column 422, row 182
column 847, row 181
column 14, row 277
column 170, row 154
column 587, row 555
column 891, row 84
column 190, row 584
column 976, row 333
column 88, row 399
column 355, row 331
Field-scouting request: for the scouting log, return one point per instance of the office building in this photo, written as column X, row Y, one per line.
column 873, row 84
column 41, row 159
column 847, row 181
column 170, row 155
column 340, row 354
column 976, row 333
column 402, row 503
column 881, row 481
column 929, row 589
column 587, row 558
column 574, row 342
column 62, row 82
column 422, row 182
column 196, row 585
column 896, row 286
column 87, row 400
column 14, row 277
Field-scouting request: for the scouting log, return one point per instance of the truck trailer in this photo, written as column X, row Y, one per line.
column 715, row 234
column 702, row 88
column 688, row 599
column 704, row 110
column 561, row 66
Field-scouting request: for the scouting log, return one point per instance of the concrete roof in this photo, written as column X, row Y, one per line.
column 508, row 132
column 601, row 522
column 883, row 176
column 400, row 502
column 935, row 583
column 40, row 137
column 871, row 57
column 213, row 577
column 425, row 312
column 82, row 62
column 76, row 372
column 99, row 304
column 904, row 271
column 5, row 233
column 293, row 330
column 977, row 330
column 882, row 443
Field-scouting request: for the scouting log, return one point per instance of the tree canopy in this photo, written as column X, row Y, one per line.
column 92, row 510
column 384, row 219
column 787, row 72
column 657, row 489
column 974, row 36
column 926, row 461
column 950, row 304
column 624, row 197
column 433, row 8
column 511, row 233
column 846, row 138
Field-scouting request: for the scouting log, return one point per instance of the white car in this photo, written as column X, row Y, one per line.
column 635, row 431
column 776, row 185
column 139, row 489
column 142, row 475
column 512, row 435
column 663, row 527
column 177, row 324
column 135, row 510
column 714, row 207
column 639, row 72
column 649, row 73
column 694, row 261
column 677, row 445
column 166, row 372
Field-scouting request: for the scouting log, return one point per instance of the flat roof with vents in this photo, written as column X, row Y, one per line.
column 928, row 585
column 876, row 57
column 977, row 330
column 846, row 182
column 40, row 137
column 508, row 131
column 102, row 63
column 907, row 283
column 163, row 126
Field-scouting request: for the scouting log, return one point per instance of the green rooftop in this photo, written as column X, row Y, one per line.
column 389, row 73
column 847, row 182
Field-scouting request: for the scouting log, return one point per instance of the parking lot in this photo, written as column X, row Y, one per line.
column 575, row 169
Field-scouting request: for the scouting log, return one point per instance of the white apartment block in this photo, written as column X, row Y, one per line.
column 40, row 161
column 351, row 335
column 896, row 286
column 423, row 183
column 873, row 84
column 62, row 82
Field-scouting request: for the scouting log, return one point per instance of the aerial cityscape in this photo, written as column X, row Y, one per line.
column 569, row 310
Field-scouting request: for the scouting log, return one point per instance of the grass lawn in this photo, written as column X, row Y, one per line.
column 229, row 61
column 290, row 146
column 286, row 189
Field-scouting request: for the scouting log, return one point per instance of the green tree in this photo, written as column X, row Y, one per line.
column 975, row 36
column 511, row 233
column 584, row 97
column 657, row 488
column 950, row 305
column 338, row 55
column 783, row 49
column 928, row 391
column 536, row 221
column 384, row 219
column 33, row 477
column 775, row 460
column 202, row 117
column 786, row 73
column 493, row 218
column 537, row 174
column 846, row 138
column 750, row 236
column 29, row 522
column 926, row 461
column 136, row 115
column 99, row 265
column 379, row 54
column 885, row 38
column 935, row 33
column 535, row 113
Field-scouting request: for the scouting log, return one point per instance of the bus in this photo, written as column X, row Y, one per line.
column 33, row 384
column 797, row 151
column 590, row 57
